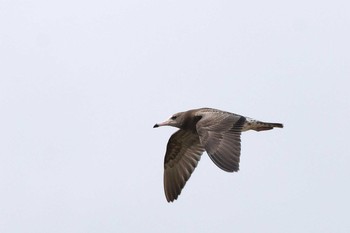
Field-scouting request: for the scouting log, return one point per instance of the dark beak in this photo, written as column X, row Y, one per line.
column 156, row 126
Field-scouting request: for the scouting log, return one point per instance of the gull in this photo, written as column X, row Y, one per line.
column 205, row 129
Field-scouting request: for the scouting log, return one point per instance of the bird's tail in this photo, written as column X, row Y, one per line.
column 260, row 125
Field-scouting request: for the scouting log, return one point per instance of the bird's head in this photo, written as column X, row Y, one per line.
column 175, row 120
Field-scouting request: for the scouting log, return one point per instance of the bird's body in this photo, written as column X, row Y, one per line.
column 205, row 129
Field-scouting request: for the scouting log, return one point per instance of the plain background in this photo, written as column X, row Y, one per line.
column 83, row 82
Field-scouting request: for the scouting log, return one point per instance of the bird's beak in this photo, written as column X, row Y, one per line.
column 161, row 124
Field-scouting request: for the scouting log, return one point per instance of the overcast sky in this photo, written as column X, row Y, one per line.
column 83, row 82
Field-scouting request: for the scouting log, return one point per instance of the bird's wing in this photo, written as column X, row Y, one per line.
column 220, row 134
column 182, row 155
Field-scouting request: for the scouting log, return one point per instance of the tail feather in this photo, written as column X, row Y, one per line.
column 259, row 125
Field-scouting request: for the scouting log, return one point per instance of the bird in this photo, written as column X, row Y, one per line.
column 204, row 129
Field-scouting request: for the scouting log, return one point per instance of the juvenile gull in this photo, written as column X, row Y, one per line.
column 205, row 129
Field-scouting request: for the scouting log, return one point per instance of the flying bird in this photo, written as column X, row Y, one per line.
column 205, row 129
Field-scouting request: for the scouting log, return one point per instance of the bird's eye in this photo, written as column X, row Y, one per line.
column 173, row 117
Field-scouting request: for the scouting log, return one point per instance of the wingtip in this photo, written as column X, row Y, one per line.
column 171, row 198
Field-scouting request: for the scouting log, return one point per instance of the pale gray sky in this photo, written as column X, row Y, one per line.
column 83, row 82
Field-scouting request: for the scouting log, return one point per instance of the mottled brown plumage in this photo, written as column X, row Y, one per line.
column 214, row 131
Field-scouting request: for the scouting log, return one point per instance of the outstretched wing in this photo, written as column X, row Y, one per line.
column 220, row 134
column 183, row 152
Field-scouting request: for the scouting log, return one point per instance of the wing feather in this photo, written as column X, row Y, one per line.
column 184, row 150
column 220, row 134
